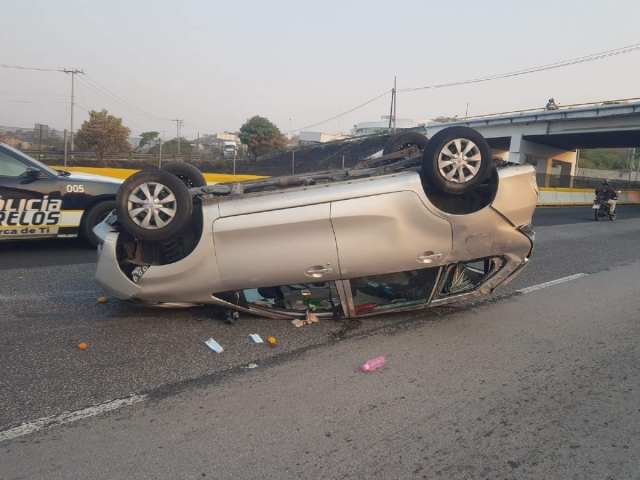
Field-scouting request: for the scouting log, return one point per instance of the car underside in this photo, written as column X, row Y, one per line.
column 382, row 236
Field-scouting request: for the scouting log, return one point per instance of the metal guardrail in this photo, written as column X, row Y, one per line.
column 568, row 181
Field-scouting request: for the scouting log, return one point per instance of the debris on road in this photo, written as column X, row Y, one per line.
column 256, row 338
column 272, row 340
column 311, row 318
column 215, row 346
column 102, row 299
column 252, row 365
column 82, row 346
column 374, row 364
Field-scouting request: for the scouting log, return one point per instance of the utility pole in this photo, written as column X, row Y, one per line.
column 65, row 147
column 73, row 72
column 393, row 96
column 178, row 125
column 395, row 104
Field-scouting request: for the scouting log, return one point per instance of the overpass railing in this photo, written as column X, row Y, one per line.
column 604, row 103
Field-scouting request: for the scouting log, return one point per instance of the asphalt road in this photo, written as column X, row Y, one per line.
column 215, row 417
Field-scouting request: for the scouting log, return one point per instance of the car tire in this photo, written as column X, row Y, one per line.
column 155, row 216
column 92, row 217
column 448, row 174
column 189, row 174
column 405, row 140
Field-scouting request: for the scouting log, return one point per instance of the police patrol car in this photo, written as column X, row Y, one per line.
column 37, row 201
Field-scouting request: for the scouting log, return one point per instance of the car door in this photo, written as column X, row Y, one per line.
column 30, row 205
column 276, row 247
column 392, row 232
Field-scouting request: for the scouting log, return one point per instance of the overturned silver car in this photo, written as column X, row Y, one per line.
column 427, row 222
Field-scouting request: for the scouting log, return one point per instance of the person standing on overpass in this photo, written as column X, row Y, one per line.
column 551, row 105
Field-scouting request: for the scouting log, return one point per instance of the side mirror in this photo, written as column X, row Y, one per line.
column 33, row 173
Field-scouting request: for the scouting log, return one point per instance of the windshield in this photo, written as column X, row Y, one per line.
column 38, row 164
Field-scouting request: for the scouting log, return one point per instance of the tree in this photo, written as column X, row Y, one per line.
column 104, row 134
column 261, row 136
column 147, row 138
column 171, row 147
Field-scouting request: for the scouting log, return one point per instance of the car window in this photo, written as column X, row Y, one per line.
column 30, row 160
column 318, row 297
column 11, row 167
column 392, row 290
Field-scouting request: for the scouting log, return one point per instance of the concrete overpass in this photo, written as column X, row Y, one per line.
column 556, row 135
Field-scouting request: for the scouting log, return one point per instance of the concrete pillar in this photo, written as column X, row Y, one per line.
column 515, row 153
column 545, row 154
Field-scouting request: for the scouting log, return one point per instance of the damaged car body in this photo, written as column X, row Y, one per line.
column 428, row 222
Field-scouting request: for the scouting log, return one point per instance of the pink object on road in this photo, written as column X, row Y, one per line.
column 374, row 364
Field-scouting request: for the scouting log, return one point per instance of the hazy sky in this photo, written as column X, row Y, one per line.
column 214, row 64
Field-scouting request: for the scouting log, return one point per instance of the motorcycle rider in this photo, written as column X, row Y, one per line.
column 609, row 195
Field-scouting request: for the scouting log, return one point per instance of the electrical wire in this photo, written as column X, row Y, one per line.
column 35, row 94
column 119, row 103
column 115, row 101
column 540, row 68
column 25, row 101
column 108, row 92
column 2, row 65
column 345, row 113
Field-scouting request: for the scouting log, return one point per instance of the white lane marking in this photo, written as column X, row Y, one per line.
column 68, row 417
column 540, row 286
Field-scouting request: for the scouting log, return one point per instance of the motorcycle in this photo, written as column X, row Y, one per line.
column 603, row 209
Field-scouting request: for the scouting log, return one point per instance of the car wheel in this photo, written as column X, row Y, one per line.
column 189, row 174
column 456, row 160
column 154, row 205
column 92, row 217
column 405, row 140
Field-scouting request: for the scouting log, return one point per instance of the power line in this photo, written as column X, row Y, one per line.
column 540, row 68
column 104, row 89
column 114, row 101
column 26, row 101
column 119, row 103
column 2, row 65
column 347, row 112
column 33, row 93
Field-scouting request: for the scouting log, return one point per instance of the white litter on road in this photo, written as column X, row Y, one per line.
column 540, row 286
column 256, row 338
column 215, row 346
column 68, row 417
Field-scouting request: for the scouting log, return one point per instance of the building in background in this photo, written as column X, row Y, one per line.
column 226, row 137
column 382, row 126
column 313, row 138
